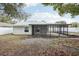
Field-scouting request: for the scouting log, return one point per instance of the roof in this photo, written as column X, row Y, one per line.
column 26, row 23
column 37, row 23
column 5, row 24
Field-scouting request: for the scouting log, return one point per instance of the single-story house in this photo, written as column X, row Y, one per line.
column 37, row 25
column 39, row 28
column 33, row 28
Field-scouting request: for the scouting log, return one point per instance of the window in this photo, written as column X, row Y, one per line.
column 26, row 29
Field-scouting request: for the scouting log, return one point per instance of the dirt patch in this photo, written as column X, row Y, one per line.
column 12, row 45
column 40, row 42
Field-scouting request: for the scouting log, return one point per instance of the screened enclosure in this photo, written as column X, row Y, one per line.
column 49, row 30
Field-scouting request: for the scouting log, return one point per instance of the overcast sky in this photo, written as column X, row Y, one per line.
column 39, row 8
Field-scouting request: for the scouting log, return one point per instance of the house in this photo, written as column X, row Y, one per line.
column 40, row 28
column 33, row 28
column 37, row 25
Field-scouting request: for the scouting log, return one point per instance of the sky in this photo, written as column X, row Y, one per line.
column 37, row 8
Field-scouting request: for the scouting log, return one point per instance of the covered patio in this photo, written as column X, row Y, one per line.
column 49, row 30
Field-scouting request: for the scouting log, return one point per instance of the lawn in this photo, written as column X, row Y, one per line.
column 22, row 45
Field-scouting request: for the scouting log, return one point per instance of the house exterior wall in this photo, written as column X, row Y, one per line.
column 20, row 30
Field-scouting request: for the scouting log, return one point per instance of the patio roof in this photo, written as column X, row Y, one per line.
column 49, row 24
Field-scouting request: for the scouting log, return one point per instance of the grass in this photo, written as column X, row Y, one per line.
column 9, row 45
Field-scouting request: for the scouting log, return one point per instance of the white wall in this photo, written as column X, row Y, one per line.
column 20, row 30
column 6, row 30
